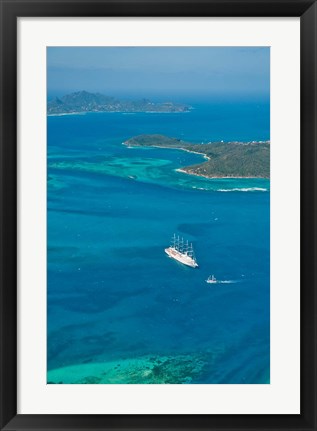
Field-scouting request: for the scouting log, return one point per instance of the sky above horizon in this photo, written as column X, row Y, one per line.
column 185, row 72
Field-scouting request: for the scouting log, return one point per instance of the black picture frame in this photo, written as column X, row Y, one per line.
column 10, row 11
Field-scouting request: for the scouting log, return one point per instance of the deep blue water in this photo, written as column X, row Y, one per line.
column 112, row 292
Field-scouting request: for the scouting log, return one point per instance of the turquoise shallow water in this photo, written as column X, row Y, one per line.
column 113, row 294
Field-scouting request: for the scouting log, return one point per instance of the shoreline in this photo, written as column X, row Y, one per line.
column 168, row 148
column 65, row 113
column 220, row 177
column 116, row 112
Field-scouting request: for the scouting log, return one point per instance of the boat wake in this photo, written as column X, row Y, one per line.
column 227, row 281
column 213, row 281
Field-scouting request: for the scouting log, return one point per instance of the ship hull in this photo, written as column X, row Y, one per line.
column 180, row 257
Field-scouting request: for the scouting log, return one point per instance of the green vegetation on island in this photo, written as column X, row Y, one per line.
column 82, row 101
column 223, row 159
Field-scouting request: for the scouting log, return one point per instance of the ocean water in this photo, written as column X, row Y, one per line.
column 114, row 298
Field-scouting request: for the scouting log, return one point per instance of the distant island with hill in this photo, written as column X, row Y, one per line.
column 223, row 159
column 83, row 101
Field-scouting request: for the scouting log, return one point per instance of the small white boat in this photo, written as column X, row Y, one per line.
column 211, row 279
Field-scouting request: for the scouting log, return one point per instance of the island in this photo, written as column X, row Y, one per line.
column 223, row 159
column 83, row 101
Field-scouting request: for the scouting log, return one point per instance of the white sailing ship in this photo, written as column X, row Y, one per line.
column 211, row 279
column 182, row 252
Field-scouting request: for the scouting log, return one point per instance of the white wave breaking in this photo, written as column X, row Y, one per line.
column 236, row 189
column 244, row 189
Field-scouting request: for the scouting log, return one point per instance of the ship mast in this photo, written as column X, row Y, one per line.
column 181, row 245
column 186, row 247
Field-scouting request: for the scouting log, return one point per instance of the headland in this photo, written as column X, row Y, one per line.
column 223, row 159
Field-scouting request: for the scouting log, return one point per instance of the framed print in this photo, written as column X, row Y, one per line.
column 158, row 215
